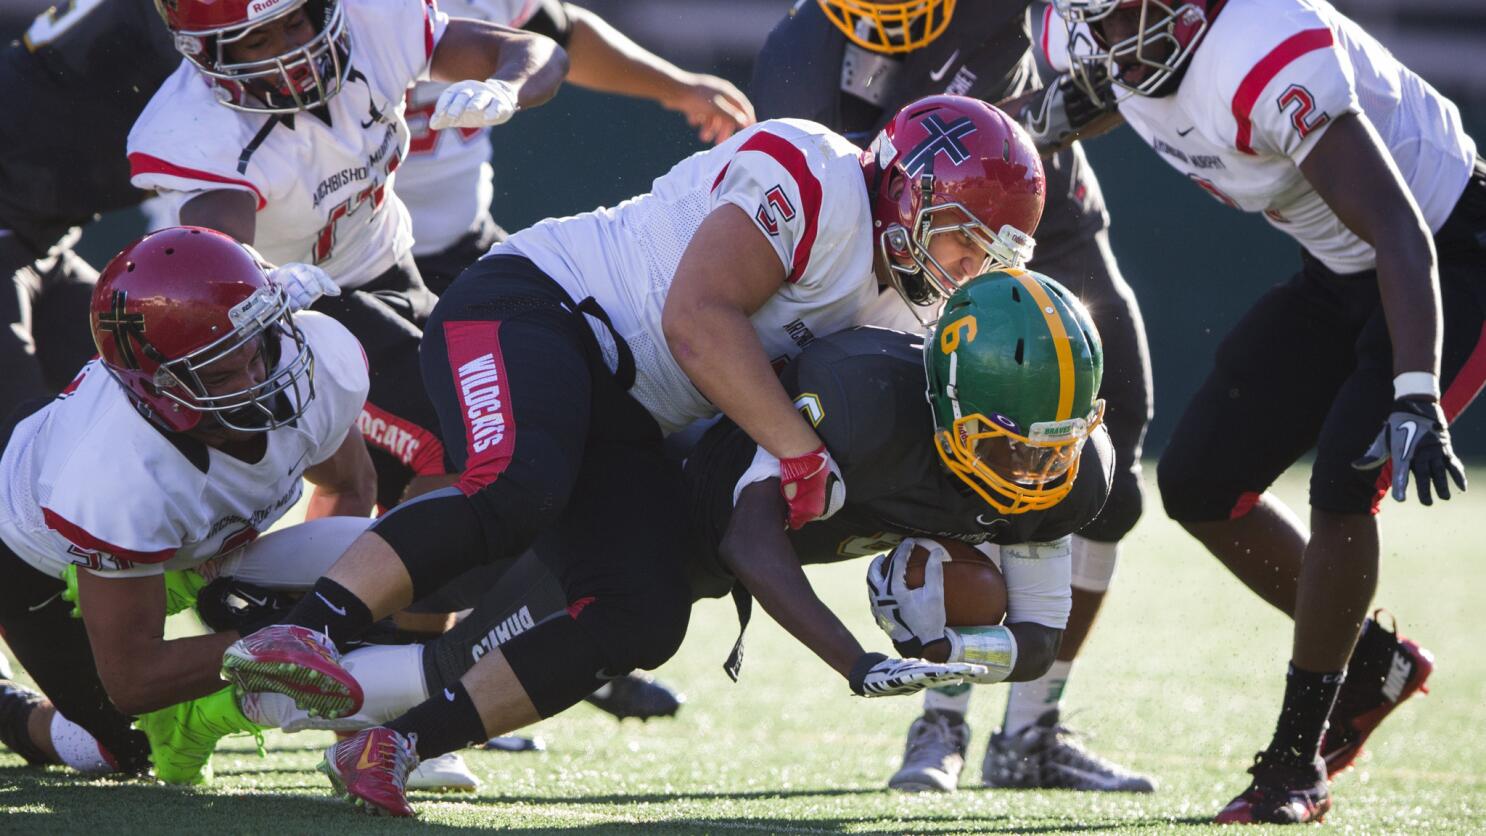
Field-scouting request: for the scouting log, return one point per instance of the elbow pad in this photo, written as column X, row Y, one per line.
column 551, row 19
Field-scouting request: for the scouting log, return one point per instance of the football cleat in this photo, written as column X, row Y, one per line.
column 515, row 743
column 1048, row 755
column 16, row 704
column 371, row 767
column 445, row 773
column 636, row 695
column 1385, row 670
column 184, row 736
column 934, row 755
column 1281, row 793
column 295, row 661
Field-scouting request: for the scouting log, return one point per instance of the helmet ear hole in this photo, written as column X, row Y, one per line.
column 1019, row 355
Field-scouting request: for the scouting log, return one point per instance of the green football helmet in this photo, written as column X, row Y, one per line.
column 1014, row 366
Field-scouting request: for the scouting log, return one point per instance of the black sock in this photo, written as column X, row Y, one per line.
column 333, row 610
column 445, row 722
column 1308, row 699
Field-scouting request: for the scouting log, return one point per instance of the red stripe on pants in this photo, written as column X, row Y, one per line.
column 483, row 392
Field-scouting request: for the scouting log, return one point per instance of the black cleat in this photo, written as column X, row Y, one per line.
column 1386, row 669
column 636, row 695
column 1281, row 793
column 16, row 704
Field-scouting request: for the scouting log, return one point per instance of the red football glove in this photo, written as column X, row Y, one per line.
column 812, row 486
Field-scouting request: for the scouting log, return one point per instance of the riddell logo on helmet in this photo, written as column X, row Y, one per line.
column 262, row 8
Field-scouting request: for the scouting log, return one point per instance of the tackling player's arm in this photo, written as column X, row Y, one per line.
column 345, row 484
column 605, row 59
column 532, row 65
column 726, row 274
column 140, row 669
column 757, row 552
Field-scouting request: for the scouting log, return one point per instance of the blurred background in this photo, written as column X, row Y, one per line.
column 1195, row 264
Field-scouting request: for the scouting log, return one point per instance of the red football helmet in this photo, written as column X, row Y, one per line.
column 301, row 78
column 178, row 300
column 950, row 164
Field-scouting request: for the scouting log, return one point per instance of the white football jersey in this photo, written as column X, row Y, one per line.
column 803, row 187
column 447, row 182
column 89, row 480
column 323, row 185
column 1261, row 89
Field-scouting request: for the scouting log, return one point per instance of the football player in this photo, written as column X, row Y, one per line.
column 194, row 430
column 284, row 127
column 71, row 83
column 1012, row 454
column 1288, row 108
column 447, row 181
column 563, row 357
column 850, row 65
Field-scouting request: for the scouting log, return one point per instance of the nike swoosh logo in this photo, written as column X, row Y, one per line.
column 991, row 523
column 333, row 607
column 364, row 762
column 1091, row 777
column 1408, row 429
column 448, row 695
column 1187, row 131
column 944, row 69
column 257, row 602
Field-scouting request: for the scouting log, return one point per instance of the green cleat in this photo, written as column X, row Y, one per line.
column 183, row 737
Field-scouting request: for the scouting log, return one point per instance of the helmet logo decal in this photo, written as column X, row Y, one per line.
column 125, row 328
column 949, row 337
column 809, row 405
column 942, row 138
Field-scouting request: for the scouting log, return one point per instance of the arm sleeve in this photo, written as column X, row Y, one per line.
column 1039, row 582
column 778, row 185
column 1291, row 95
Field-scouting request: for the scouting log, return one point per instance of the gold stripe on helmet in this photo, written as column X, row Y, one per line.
column 1061, row 344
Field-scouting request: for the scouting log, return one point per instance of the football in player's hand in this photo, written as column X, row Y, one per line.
column 974, row 590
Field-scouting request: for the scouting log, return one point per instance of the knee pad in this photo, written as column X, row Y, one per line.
column 437, row 536
column 1093, row 563
column 642, row 629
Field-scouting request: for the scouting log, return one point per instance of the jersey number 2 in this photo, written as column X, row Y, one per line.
column 1304, row 117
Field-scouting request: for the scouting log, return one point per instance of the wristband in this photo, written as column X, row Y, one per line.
column 1412, row 384
column 993, row 647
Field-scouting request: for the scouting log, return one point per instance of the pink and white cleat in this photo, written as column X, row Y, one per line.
column 295, row 661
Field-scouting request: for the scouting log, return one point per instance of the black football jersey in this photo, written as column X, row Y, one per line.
column 71, row 86
column 864, row 391
column 983, row 53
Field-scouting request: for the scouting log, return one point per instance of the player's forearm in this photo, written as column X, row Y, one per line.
column 1409, row 285
column 720, row 352
column 758, row 553
column 166, row 672
column 534, row 65
column 605, row 59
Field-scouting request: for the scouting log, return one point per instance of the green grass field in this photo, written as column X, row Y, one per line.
column 1182, row 678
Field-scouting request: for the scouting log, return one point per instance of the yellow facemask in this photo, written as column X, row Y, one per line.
column 890, row 28
column 1011, row 472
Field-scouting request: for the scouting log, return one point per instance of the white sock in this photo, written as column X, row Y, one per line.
column 77, row 748
column 949, row 699
column 1030, row 700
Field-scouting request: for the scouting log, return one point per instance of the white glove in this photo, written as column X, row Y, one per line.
column 876, row 675
column 912, row 618
column 474, row 104
column 303, row 284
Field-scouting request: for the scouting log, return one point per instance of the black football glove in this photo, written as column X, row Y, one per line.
column 1417, row 441
column 229, row 603
column 1064, row 109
